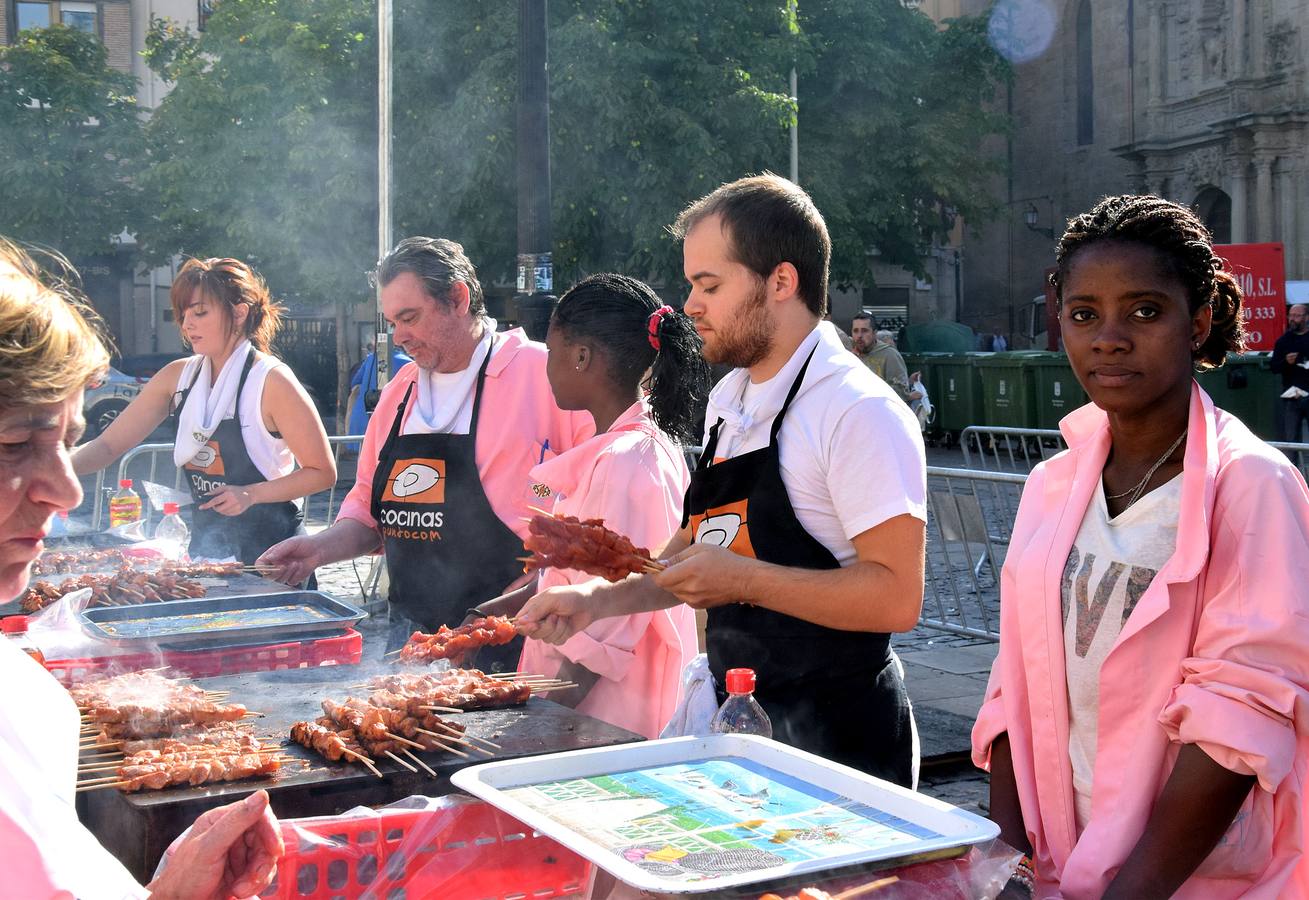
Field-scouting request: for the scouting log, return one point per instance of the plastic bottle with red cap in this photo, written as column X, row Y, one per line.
column 172, row 528
column 14, row 629
column 740, row 712
column 125, row 505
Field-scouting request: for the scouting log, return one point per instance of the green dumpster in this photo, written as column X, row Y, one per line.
column 956, row 391
column 1247, row 388
column 1008, row 394
column 1056, row 389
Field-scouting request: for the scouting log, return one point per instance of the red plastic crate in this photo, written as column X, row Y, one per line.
column 342, row 649
column 467, row 850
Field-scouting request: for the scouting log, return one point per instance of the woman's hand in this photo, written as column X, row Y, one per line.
column 230, row 499
column 557, row 613
column 231, row 851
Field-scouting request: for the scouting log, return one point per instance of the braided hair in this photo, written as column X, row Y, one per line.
column 619, row 314
column 1187, row 248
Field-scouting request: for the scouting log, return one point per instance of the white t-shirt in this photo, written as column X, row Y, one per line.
column 1110, row 566
column 443, row 401
column 46, row 851
column 851, row 453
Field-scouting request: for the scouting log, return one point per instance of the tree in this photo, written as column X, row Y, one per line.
column 266, row 148
column 70, row 143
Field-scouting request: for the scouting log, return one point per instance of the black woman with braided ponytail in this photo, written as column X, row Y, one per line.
column 620, row 353
column 1147, row 721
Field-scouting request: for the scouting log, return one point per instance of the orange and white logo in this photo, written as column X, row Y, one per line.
column 724, row 526
column 416, row 481
column 208, row 459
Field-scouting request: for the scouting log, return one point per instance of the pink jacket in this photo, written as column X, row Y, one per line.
column 520, row 425
column 634, row 478
column 1216, row 653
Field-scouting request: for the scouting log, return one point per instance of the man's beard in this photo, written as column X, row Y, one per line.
column 748, row 337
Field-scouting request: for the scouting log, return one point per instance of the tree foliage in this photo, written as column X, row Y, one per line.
column 70, row 143
column 266, row 146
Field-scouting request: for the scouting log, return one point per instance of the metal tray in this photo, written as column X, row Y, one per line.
column 224, row 620
column 661, row 816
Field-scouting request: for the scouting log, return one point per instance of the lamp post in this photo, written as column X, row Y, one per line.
column 535, row 283
column 382, row 344
column 1031, row 219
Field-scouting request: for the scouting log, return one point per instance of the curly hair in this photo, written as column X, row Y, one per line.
column 228, row 283
column 1187, row 247
column 51, row 340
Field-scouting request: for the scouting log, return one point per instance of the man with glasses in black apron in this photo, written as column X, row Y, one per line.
column 442, row 483
column 805, row 520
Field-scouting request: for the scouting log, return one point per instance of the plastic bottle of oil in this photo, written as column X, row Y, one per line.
column 15, row 631
column 125, row 505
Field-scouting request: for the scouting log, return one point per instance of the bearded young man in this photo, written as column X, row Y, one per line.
column 804, row 524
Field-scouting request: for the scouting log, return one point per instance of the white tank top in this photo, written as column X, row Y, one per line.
column 271, row 456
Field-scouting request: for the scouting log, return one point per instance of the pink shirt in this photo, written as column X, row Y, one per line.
column 520, row 425
column 633, row 477
column 1216, row 654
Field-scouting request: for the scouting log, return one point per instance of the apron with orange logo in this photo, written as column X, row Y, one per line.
column 225, row 460
column 829, row 692
column 446, row 549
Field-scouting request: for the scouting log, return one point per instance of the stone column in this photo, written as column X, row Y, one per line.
column 1159, row 65
column 1236, row 50
column 1257, row 27
column 1264, row 208
column 1286, row 190
column 1236, row 189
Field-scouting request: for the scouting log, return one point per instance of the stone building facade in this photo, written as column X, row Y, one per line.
column 1205, row 102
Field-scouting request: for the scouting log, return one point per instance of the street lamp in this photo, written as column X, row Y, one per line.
column 1031, row 217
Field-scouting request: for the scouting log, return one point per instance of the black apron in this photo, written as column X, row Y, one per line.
column 829, row 692
column 446, row 549
column 225, row 461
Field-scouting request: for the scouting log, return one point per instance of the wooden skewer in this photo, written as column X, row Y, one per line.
column 443, row 737
column 425, row 767
column 867, row 888
column 113, row 783
column 471, row 738
column 393, row 652
column 371, row 767
column 441, row 709
column 91, row 781
column 391, row 735
column 401, row 762
column 540, row 512
column 358, row 756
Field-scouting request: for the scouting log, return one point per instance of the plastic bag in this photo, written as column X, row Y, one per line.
column 452, row 847
column 697, row 704
column 57, row 630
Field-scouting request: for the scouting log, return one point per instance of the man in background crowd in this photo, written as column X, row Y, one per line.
column 1291, row 360
column 880, row 355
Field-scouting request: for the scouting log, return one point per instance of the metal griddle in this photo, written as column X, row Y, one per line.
column 138, row 827
column 210, row 621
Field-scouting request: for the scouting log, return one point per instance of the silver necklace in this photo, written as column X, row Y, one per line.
column 1136, row 489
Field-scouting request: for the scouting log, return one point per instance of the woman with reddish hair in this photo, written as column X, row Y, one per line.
column 248, row 436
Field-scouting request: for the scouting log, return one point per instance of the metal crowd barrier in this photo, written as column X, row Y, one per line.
column 153, row 454
column 969, row 524
column 1020, row 449
column 1009, row 449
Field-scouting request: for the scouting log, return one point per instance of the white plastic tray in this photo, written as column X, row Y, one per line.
column 720, row 818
